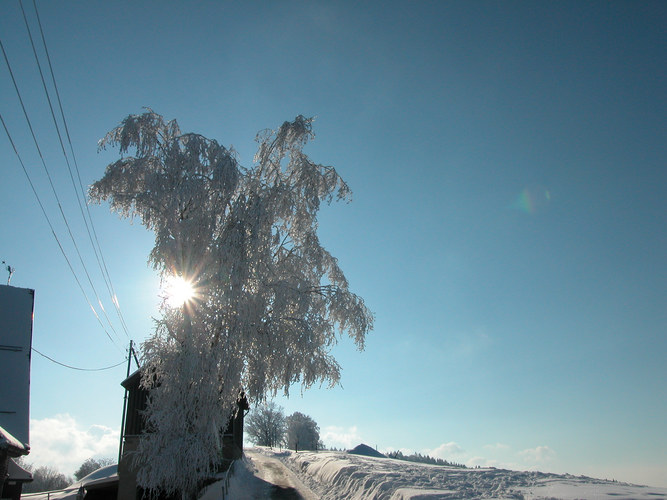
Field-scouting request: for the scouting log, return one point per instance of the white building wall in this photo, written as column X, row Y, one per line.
column 16, row 314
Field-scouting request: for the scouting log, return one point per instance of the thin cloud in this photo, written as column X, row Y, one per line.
column 341, row 437
column 497, row 447
column 539, row 454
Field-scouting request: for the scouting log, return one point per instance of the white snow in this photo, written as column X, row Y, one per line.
column 339, row 475
column 243, row 484
column 9, row 442
column 591, row 489
column 258, row 476
column 282, row 481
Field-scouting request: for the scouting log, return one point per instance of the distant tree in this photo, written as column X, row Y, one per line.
column 302, row 432
column 266, row 425
column 425, row 459
column 91, row 465
column 46, row 478
column 270, row 301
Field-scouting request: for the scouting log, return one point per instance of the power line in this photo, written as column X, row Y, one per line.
column 48, row 220
column 77, row 368
column 96, row 244
column 25, row 113
column 69, row 169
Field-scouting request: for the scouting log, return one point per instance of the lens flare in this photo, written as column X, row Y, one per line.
column 177, row 291
column 532, row 199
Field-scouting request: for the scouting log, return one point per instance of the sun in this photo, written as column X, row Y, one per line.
column 177, row 291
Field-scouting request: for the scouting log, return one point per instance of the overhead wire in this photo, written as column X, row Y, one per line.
column 77, row 368
column 32, row 186
column 96, row 244
column 50, row 224
column 69, row 168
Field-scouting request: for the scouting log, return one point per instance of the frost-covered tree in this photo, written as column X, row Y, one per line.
column 266, row 425
column 269, row 300
column 303, row 433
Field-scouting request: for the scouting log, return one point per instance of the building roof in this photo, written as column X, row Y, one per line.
column 17, row 473
column 13, row 446
column 133, row 380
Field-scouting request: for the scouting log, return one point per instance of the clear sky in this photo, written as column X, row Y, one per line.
column 508, row 227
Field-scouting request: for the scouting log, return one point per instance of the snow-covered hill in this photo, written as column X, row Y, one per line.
column 340, row 475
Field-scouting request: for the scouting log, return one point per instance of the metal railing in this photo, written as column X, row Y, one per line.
column 228, row 476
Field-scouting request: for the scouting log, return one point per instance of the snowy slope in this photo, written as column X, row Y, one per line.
column 339, row 475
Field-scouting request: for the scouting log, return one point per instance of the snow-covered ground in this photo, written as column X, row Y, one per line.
column 339, row 475
column 259, row 476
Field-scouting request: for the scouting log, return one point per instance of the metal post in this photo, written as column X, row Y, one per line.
column 122, row 422
column 4, row 466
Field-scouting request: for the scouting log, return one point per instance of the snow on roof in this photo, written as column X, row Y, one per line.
column 13, row 446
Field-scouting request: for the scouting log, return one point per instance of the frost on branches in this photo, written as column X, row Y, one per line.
column 270, row 301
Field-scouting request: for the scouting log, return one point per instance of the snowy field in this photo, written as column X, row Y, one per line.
column 339, row 475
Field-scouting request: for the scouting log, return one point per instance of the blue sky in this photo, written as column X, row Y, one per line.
column 507, row 161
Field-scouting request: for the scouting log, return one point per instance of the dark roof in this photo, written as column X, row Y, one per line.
column 132, row 381
column 17, row 473
column 365, row 450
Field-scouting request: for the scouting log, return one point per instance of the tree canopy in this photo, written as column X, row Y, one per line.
column 265, row 426
column 91, row 465
column 269, row 300
column 303, row 433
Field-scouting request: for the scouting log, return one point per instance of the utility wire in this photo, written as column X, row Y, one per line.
column 53, row 232
column 25, row 113
column 77, row 368
column 69, row 168
column 96, row 245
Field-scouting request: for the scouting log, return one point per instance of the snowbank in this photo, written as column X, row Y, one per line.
column 340, row 475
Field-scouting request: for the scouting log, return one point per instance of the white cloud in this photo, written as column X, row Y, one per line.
column 341, row 437
column 498, row 455
column 497, row 447
column 61, row 442
column 530, row 459
column 446, row 451
column 540, row 454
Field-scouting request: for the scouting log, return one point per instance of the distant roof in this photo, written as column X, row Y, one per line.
column 365, row 450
